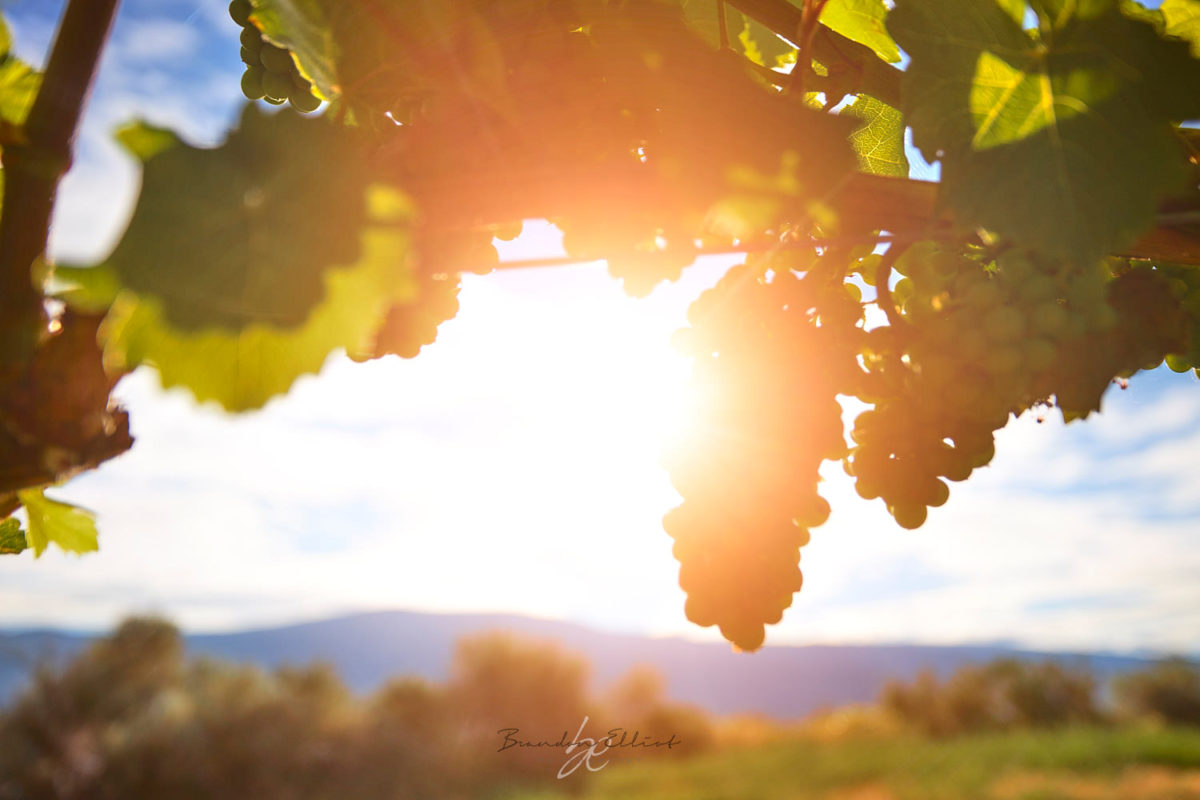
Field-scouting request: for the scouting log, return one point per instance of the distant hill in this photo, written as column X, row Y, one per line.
column 781, row 681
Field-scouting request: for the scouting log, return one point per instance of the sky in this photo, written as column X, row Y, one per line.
column 513, row 466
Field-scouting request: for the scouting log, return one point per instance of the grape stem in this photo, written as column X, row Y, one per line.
column 809, row 16
column 722, row 24
column 876, row 77
column 34, row 166
column 883, row 292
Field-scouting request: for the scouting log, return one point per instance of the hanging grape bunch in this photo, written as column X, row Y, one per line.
column 271, row 72
column 978, row 340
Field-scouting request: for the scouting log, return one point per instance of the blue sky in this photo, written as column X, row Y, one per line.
column 514, row 465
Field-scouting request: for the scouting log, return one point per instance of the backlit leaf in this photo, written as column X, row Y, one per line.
column 1083, row 115
column 879, row 141
column 52, row 522
column 862, row 22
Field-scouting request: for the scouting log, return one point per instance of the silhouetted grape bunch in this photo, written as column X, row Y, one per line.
column 769, row 369
column 412, row 325
column 271, row 72
column 638, row 253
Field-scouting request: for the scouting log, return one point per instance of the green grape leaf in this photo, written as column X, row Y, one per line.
column 1135, row 10
column 264, row 216
column 87, row 289
column 862, row 22
column 12, row 538
column 879, row 141
column 1084, row 115
column 762, row 46
column 758, row 42
column 144, row 141
column 301, row 26
column 243, row 370
column 51, row 522
column 1182, row 18
column 18, row 87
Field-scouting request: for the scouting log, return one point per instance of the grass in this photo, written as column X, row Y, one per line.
column 1076, row 764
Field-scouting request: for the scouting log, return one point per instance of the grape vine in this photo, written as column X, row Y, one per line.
column 1058, row 252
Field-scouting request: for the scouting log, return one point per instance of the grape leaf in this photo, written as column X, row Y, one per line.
column 1083, row 114
column 18, row 88
column 12, row 538
column 879, row 141
column 263, row 217
column 18, row 82
column 300, row 26
column 143, row 141
column 862, row 22
column 762, row 46
column 243, row 370
column 758, row 42
column 87, row 289
column 1183, row 20
column 71, row 528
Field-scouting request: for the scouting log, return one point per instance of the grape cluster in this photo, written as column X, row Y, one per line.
column 458, row 250
column 411, row 325
column 1185, row 287
column 639, row 254
column 440, row 258
column 767, row 371
column 271, row 72
column 978, row 340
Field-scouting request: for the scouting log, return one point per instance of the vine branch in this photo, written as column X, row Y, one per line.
column 36, row 162
column 873, row 75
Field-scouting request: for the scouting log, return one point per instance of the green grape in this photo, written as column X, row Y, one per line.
column 1037, row 289
column 814, row 513
column 276, row 86
column 957, row 465
column 304, row 101
column 276, row 59
column 1004, row 324
column 1002, row 360
column 240, row 11
column 699, row 611
column 249, row 58
column 983, row 294
column 1101, row 316
column 909, row 516
column 1050, row 319
column 1039, row 354
column 983, row 454
column 252, row 40
column 252, row 83
column 1178, row 363
column 508, row 231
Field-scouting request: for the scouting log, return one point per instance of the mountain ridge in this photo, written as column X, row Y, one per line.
column 368, row 648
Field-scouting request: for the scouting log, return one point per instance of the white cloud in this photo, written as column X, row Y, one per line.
column 153, row 40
